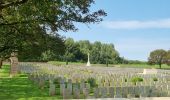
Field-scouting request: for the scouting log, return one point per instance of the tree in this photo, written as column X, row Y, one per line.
column 95, row 52
column 85, row 48
column 108, row 53
column 157, row 57
column 70, row 48
column 20, row 20
column 168, row 57
column 43, row 49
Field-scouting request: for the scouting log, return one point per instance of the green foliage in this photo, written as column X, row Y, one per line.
column 92, row 82
column 99, row 53
column 168, row 58
column 157, row 57
column 47, row 55
column 23, row 23
column 155, row 79
column 48, row 48
column 136, row 79
column 125, row 80
column 21, row 88
column 70, row 50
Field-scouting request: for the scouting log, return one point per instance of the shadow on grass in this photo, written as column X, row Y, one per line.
column 21, row 88
column 4, row 72
column 15, row 88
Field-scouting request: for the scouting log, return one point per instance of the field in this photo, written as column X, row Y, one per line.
column 52, row 80
column 164, row 66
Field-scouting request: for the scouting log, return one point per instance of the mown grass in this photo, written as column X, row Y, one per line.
column 21, row 88
column 164, row 66
column 77, row 64
column 4, row 72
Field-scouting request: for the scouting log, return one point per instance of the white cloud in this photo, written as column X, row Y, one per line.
column 137, row 24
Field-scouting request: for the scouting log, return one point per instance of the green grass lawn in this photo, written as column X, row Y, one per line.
column 77, row 63
column 164, row 66
column 20, row 88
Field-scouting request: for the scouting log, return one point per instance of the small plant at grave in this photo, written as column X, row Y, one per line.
column 57, row 83
column 155, row 79
column 22, row 75
column 92, row 82
column 137, row 96
column 136, row 79
column 125, row 79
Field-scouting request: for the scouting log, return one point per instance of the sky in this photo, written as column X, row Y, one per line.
column 135, row 27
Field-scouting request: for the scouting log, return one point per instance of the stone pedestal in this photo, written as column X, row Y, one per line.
column 88, row 62
column 14, row 66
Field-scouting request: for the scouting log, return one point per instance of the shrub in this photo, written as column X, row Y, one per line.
column 136, row 79
column 92, row 82
column 155, row 79
column 125, row 80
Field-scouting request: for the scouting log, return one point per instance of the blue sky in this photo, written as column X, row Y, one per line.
column 135, row 27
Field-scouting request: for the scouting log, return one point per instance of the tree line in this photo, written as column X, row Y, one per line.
column 159, row 57
column 100, row 53
column 73, row 51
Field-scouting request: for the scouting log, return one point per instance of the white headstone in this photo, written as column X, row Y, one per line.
column 150, row 71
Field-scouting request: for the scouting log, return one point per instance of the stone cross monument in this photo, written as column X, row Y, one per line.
column 88, row 62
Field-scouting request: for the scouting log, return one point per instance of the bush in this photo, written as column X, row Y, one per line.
column 92, row 82
column 136, row 79
column 155, row 79
column 125, row 80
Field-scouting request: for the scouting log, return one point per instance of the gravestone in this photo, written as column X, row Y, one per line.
column 96, row 93
column 69, row 87
column 86, row 93
column 66, row 94
column 62, row 87
column 111, row 92
column 82, row 86
column 87, row 86
column 52, row 90
column 41, row 83
column 150, row 71
column 76, row 91
column 104, row 92
column 124, row 92
column 118, row 92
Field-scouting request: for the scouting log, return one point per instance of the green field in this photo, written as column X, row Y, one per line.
column 20, row 88
column 164, row 66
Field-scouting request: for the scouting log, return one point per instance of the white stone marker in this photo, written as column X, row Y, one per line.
column 150, row 71
column 88, row 62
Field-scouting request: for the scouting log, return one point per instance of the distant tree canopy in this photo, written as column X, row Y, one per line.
column 159, row 57
column 31, row 26
column 100, row 53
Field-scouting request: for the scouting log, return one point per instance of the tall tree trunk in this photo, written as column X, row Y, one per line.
column 107, row 63
column 66, row 62
column 0, row 63
column 160, row 65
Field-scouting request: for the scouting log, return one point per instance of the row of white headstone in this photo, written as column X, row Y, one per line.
column 110, row 83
